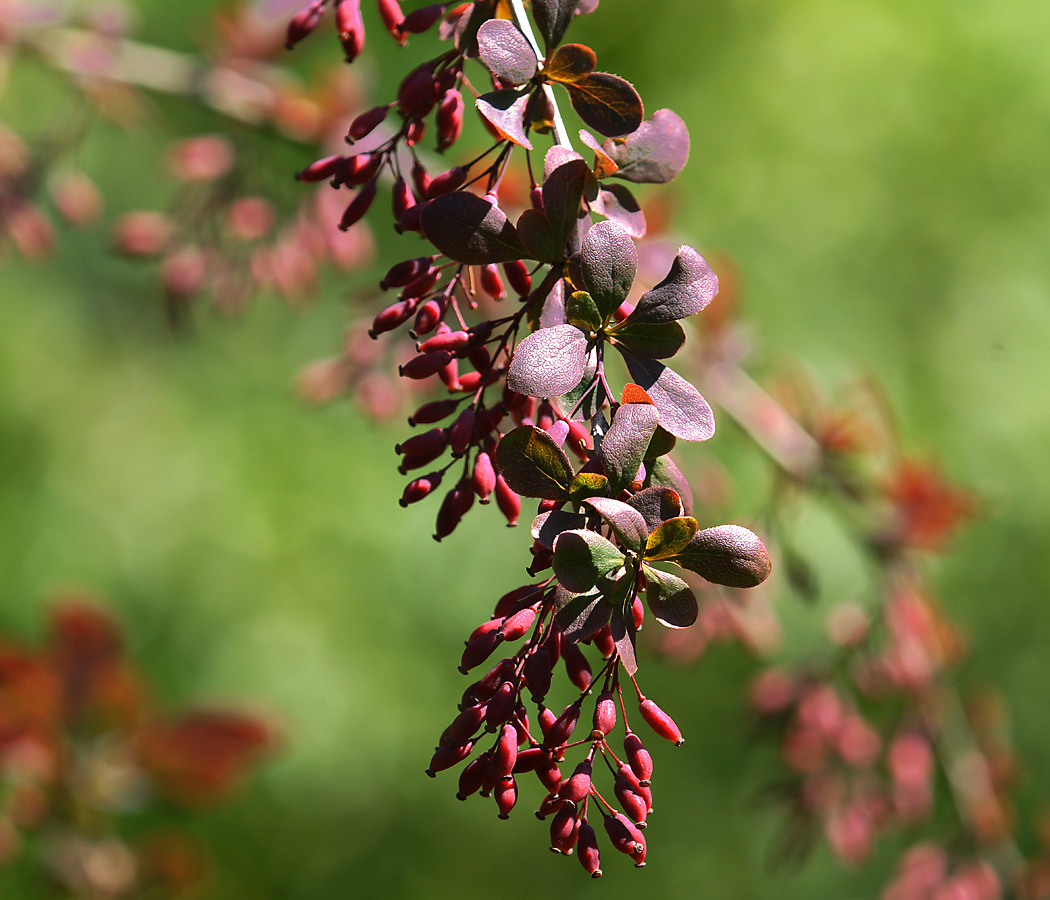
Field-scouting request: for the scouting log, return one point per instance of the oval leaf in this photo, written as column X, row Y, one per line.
column 533, row 465
column 506, row 52
column 670, row 599
column 582, row 617
column 607, row 103
column 582, row 311
column 650, row 341
column 548, row 362
column 552, row 18
column 616, row 202
column 587, row 485
column 547, row 526
column 582, row 557
column 657, row 504
column 623, row 446
column 571, row 62
column 505, row 111
column 669, row 538
column 470, row 230
column 683, row 412
column 608, row 264
column 563, row 189
column 655, row 153
column 603, row 165
column 687, row 289
column 663, row 472
column 622, row 626
column 538, row 238
column 729, row 555
column 627, row 523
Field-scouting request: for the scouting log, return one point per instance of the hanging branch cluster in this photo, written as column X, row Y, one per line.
column 525, row 385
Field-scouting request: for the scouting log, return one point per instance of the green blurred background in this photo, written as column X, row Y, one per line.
column 879, row 173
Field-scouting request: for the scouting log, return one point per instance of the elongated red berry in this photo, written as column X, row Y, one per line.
column 517, row 625
column 350, row 27
column 418, row 287
column 427, row 318
column 624, row 835
column 432, row 412
column 529, row 759
column 358, row 206
column 321, row 169
column 501, row 706
column 505, row 794
column 483, row 476
column 465, row 725
column 425, row 365
column 587, row 850
column 472, row 776
column 576, row 663
column 508, row 502
column 631, row 801
column 402, row 198
column 366, row 123
column 304, row 22
column 461, row 432
column 413, row 96
column 419, row 488
column 478, row 650
column 564, row 828
column 549, row 774
column 605, row 713
column 518, row 276
column 446, row 339
column 446, row 182
column 449, row 119
column 390, row 13
column 660, row 722
column 392, row 317
column 506, row 753
column 638, row 757
column 447, row 756
column 418, row 460
column 424, row 443
column 605, row 643
column 405, row 272
column 423, row 19
column 538, row 673
column 578, row 784
column 563, row 726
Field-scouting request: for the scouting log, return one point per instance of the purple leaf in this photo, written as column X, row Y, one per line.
column 627, row 523
column 506, row 52
column 616, row 202
column 470, row 230
column 623, row 633
column 553, row 18
column 608, row 263
column 556, row 157
column 571, row 62
column 655, row 153
column 533, row 465
column 562, row 191
column 582, row 557
column 553, row 312
column 657, row 504
column 547, row 526
column 651, row 341
column 683, row 412
column 603, row 165
column 538, row 238
column 505, row 110
column 607, row 103
column 623, row 446
column 549, row 362
column 687, row 289
column 664, row 473
column 729, row 555
column 583, row 616
column 670, row 599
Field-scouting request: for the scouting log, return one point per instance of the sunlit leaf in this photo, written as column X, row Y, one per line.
column 548, row 362
column 670, row 599
column 687, row 289
column 663, row 472
column 533, row 465
column 582, row 557
column 547, row 526
column 616, row 202
column 582, row 312
column 627, row 523
column 729, row 555
column 656, row 504
column 608, row 264
column 505, row 110
column 571, row 62
column 655, row 153
column 584, row 616
column 623, row 446
column 622, row 626
column 650, row 340
column 607, row 103
column 587, row 485
column 506, row 52
column 669, row 538
column 683, row 412
column 470, row 230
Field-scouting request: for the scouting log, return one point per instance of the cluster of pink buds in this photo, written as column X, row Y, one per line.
column 494, row 724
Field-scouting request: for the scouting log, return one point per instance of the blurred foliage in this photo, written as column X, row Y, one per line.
column 877, row 172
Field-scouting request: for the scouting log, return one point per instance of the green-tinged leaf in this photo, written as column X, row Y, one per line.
column 627, row 524
column 607, row 103
column 608, row 263
column 533, row 465
column 650, row 341
column 624, row 445
column 670, row 599
column 553, row 18
column 538, row 238
column 656, row 504
column 506, row 52
column 683, row 412
column 670, row 538
column 571, row 62
column 729, row 555
column 687, row 289
column 470, row 230
column 655, row 153
column 660, row 444
column 562, row 191
column 547, row 526
column 548, row 362
column 622, row 625
column 582, row 311
column 505, row 111
column 662, row 472
column 616, row 202
column 584, row 616
column 582, row 557
column 587, row 485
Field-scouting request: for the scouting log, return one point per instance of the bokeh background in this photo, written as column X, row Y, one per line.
column 879, row 174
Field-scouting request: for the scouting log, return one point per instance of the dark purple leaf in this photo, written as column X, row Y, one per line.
column 582, row 557
column 505, row 110
column 552, row 18
column 651, row 341
column 506, row 52
column 571, row 62
column 548, row 362
column 608, row 263
column 729, row 555
column 538, row 238
column 670, row 538
column 623, row 446
column 623, row 633
column 533, row 465
column 656, row 504
column 653, row 154
column 683, row 412
column 562, row 191
column 616, row 202
column 583, row 616
column 670, row 599
column 547, row 526
column 687, row 289
column 627, row 523
column 607, row 103
column 663, row 472
column 470, row 230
